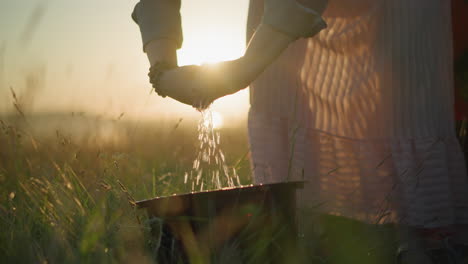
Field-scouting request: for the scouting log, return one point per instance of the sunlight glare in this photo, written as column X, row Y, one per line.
column 216, row 118
column 214, row 31
column 204, row 46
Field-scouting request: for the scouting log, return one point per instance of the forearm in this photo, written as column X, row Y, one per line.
column 231, row 76
column 160, row 26
column 217, row 80
column 283, row 23
column 264, row 47
column 162, row 50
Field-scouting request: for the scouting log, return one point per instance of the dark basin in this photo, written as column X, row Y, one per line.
column 196, row 225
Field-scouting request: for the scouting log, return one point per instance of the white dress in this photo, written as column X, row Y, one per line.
column 364, row 113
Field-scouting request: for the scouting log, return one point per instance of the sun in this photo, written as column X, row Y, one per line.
column 217, row 120
column 205, row 44
column 214, row 31
column 213, row 118
column 203, row 52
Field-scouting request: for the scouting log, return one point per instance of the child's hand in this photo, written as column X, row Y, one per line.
column 194, row 85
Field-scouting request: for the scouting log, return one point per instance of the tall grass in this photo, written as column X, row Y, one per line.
column 68, row 198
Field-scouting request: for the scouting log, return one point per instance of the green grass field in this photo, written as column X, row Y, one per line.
column 68, row 197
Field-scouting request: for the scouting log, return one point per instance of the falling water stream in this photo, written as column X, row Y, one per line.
column 210, row 170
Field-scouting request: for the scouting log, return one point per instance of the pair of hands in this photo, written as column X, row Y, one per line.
column 195, row 85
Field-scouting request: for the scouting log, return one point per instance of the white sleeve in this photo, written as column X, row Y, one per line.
column 159, row 19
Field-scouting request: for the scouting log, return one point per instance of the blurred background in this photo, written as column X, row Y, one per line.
column 86, row 56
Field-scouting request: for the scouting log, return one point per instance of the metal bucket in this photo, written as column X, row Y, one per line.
column 192, row 227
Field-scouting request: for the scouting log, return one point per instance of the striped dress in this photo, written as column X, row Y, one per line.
column 364, row 113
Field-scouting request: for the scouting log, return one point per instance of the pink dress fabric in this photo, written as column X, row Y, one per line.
column 364, row 113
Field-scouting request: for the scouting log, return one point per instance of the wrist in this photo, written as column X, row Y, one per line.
column 162, row 50
column 155, row 73
column 275, row 34
column 265, row 46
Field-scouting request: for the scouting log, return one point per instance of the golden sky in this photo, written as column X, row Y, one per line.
column 62, row 55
